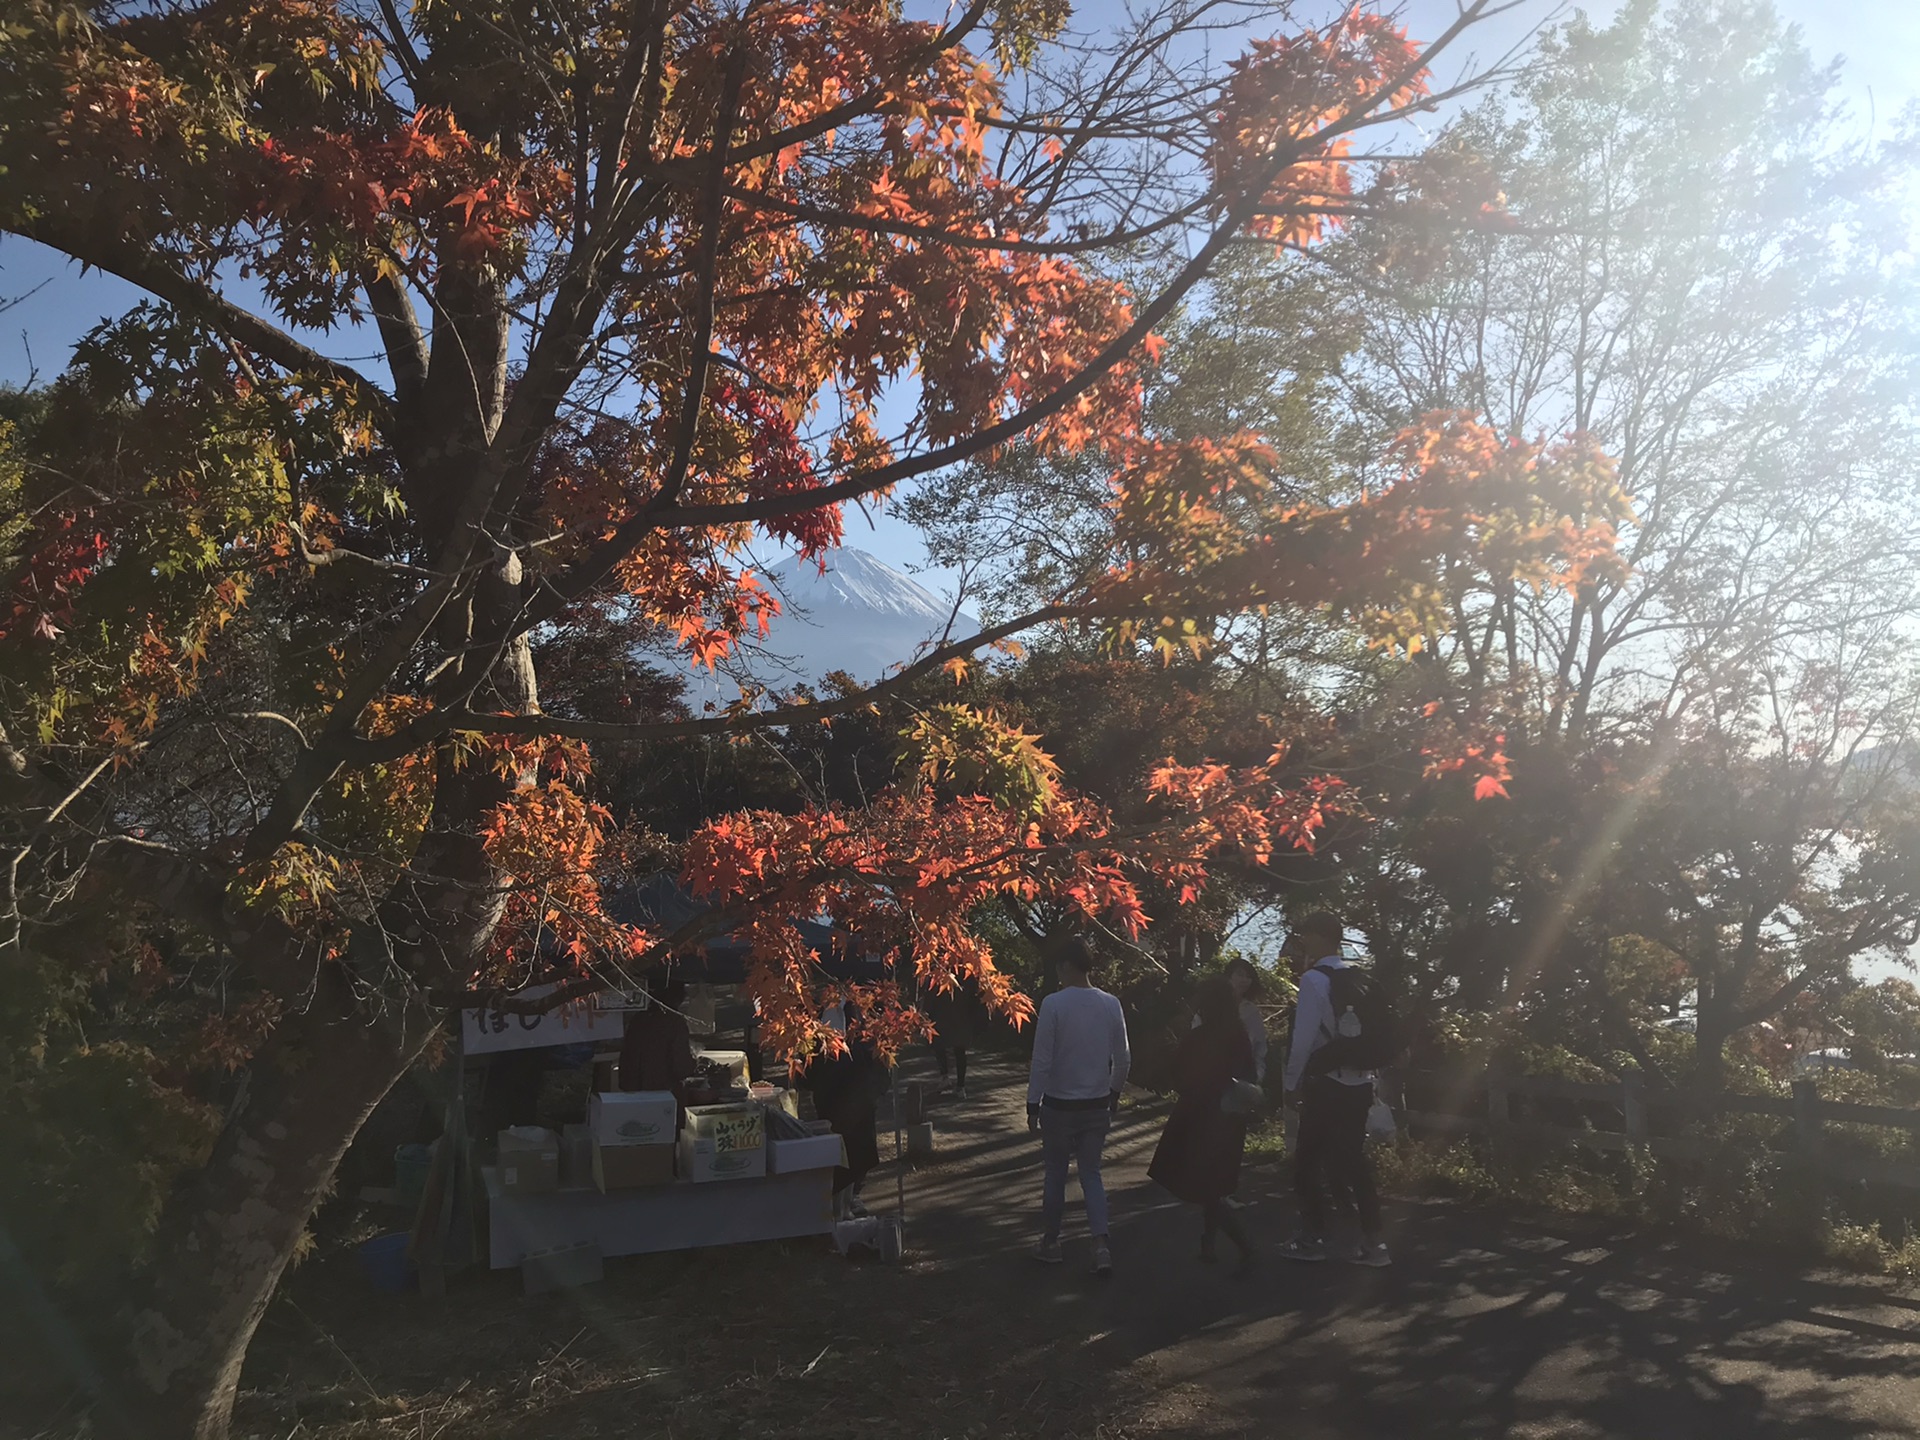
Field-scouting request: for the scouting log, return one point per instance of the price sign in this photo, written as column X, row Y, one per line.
column 737, row 1132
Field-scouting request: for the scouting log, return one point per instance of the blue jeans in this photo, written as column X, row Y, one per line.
column 1072, row 1135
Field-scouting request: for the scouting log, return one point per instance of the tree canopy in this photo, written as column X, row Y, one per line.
column 1705, row 785
column 646, row 285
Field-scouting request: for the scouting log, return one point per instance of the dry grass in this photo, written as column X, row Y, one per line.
column 785, row 1339
column 772, row 1340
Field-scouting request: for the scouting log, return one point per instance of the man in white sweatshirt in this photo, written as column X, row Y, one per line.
column 1333, row 1104
column 1080, row 1061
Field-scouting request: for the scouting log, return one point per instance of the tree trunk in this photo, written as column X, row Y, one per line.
column 1712, row 1028
column 1710, row 1064
column 228, row 1233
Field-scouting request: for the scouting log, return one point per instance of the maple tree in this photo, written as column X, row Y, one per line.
column 646, row 281
column 1704, row 748
column 1707, row 743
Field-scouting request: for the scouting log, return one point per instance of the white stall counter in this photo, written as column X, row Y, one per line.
column 681, row 1216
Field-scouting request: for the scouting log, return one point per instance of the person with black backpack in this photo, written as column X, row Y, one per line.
column 1344, row 1031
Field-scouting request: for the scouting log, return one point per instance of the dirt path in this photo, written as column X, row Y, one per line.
column 1482, row 1328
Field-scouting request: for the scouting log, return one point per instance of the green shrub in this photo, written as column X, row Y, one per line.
column 93, row 1139
column 1266, row 1138
column 1857, row 1247
column 1903, row 1260
column 1863, row 1248
column 1452, row 1170
column 1738, row 1187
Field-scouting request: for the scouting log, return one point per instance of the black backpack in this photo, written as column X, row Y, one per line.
column 1366, row 1032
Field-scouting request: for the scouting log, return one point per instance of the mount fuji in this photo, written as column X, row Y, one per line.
column 860, row 615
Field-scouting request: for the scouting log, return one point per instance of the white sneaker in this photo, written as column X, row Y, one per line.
column 1371, row 1253
column 1047, row 1252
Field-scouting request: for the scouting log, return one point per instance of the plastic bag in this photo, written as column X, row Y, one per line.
column 1242, row 1097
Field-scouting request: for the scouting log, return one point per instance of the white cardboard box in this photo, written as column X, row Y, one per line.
column 634, row 1117
column 702, row 1160
column 815, row 1152
column 529, row 1158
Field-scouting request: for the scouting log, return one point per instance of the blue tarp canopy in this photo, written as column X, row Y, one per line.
column 659, row 903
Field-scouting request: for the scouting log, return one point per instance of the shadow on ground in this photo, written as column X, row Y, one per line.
column 1484, row 1327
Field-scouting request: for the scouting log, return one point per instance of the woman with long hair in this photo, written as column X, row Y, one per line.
column 1198, row 1158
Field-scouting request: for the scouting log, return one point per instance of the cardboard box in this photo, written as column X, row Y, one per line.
column 816, row 1152
column 576, row 1157
column 740, row 1126
column 702, row 1160
column 529, row 1160
column 634, row 1117
column 631, row 1167
column 567, row 1268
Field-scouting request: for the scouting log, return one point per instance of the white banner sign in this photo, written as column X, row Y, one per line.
column 487, row 1032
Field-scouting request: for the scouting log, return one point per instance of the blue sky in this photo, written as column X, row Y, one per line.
column 1879, row 40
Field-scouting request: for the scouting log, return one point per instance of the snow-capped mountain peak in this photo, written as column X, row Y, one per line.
column 858, row 580
column 860, row 616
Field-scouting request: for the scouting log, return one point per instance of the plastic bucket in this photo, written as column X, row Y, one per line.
column 411, row 1163
column 386, row 1264
column 854, row 1234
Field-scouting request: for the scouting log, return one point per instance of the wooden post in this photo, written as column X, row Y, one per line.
column 914, row 1108
column 1806, row 1119
column 920, row 1140
column 1633, row 1106
column 445, row 1239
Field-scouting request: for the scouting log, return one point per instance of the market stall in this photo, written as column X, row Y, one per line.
column 643, row 1173
column 712, row 1157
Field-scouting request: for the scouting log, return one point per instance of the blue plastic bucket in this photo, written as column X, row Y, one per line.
column 386, row 1264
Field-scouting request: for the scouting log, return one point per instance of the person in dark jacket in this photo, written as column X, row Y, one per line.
column 656, row 1050
column 952, row 1014
column 1198, row 1158
column 846, row 1091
